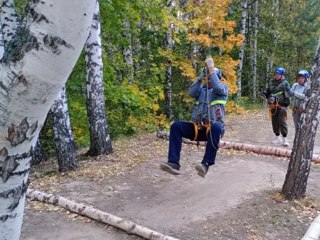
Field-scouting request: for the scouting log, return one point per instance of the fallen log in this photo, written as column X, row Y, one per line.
column 264, row 150
column 98, row 215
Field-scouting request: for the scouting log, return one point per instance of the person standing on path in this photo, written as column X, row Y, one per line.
column 207, row 121
column 278, row 98
column 298, row 94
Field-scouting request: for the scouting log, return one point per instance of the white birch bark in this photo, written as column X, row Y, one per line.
column 1, row 42
column 98, row 215
column 168, row 76
column 241, row 52
column 29, row 84
column 127, row 51
column 255, row 49
column 295, row 185
column 8, row 19
column 100, row 140
column 63, row 137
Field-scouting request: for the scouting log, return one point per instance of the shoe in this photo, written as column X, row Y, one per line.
column 285, row 142
column 276, row 140
column 171, row 168
column 202, row 169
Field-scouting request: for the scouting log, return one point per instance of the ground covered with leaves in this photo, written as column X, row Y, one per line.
column 238, row 199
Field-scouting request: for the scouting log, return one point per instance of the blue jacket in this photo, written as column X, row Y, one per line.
column 215, row 97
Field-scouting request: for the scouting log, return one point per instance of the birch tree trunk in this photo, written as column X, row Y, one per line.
column 127, row 51
column 255, row 49
column 241, row 52
column 37, row 154
column 168, row 76
column 295, row 184
column 1, row 41
column 30, row 82
column 63, row 137
column 8, row 18
column 100, row 140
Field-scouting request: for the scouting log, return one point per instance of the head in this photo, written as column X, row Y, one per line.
column 302, row 76
column 279, row 73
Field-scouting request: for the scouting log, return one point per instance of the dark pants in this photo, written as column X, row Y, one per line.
column 182, row 129
column 279, row 122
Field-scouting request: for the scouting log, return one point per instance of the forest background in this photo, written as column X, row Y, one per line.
column 152, row 50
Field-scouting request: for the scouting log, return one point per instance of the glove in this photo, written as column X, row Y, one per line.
column 283, row 109
column 291, row 93
column 202, row 74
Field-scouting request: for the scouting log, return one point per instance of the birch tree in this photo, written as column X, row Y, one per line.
column 63, row 137
column 100, row 140
column 51, row 39
column 241, row 52
column 295, row 184
column 255, row 49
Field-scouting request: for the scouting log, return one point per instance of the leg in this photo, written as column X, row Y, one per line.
column 213, row 139
column 275, row 122
column 178, row 130
column 283, row 123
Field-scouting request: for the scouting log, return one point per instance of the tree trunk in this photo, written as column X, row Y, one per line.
column 8, row 18
column 295, row 184
column 1, row 41
column 168, row 77
column 127, row 51
column 100, row 140
column 255, row 49
column 30, row 82
column 98, row 215
column 63, row 137
column 241, row 52
column 37, row 154
column 264, row 150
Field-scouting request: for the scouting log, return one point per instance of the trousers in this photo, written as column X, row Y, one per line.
column 182, row 129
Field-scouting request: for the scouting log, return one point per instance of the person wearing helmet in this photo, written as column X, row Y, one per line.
column 298, row 93
column 278, row 98
column 207, row 121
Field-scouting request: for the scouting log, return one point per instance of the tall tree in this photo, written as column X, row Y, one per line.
column 295, row 184
column 100, row 140
column 51, row 37
column 242, row 46
column 63, row 137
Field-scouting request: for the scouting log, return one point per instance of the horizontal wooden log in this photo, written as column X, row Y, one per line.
column 264, row 150
column 98, row 215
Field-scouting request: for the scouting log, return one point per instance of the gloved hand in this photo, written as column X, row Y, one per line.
column 283, row 109
column 291, row 93
column 202, row 74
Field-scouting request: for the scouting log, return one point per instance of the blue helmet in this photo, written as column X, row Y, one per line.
column 304, row 73
column 280, row 70
column 218, row 72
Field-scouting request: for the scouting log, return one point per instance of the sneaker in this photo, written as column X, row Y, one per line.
column 202, row 169
column 285, row 142
column 276, row 140
column 171, row 168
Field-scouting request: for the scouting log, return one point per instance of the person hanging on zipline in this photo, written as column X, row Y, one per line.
column 207, row 120
column 298, row 94
column 278, row 98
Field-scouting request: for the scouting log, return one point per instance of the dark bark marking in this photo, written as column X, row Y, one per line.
column 21, row 43
column 8, row 164
column 22, row 79
column 53, row 43
column 18, row 134
column 16, row 194
column 4, row 218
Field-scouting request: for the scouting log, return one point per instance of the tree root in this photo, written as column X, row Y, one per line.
column 98, row 215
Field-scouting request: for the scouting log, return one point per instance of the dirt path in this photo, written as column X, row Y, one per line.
column 236, row 200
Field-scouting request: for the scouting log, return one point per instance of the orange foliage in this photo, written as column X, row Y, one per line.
column 208, row 27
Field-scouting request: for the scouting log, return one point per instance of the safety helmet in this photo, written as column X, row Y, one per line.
column 280, row 70
column 218, row 72
column 304, row 73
